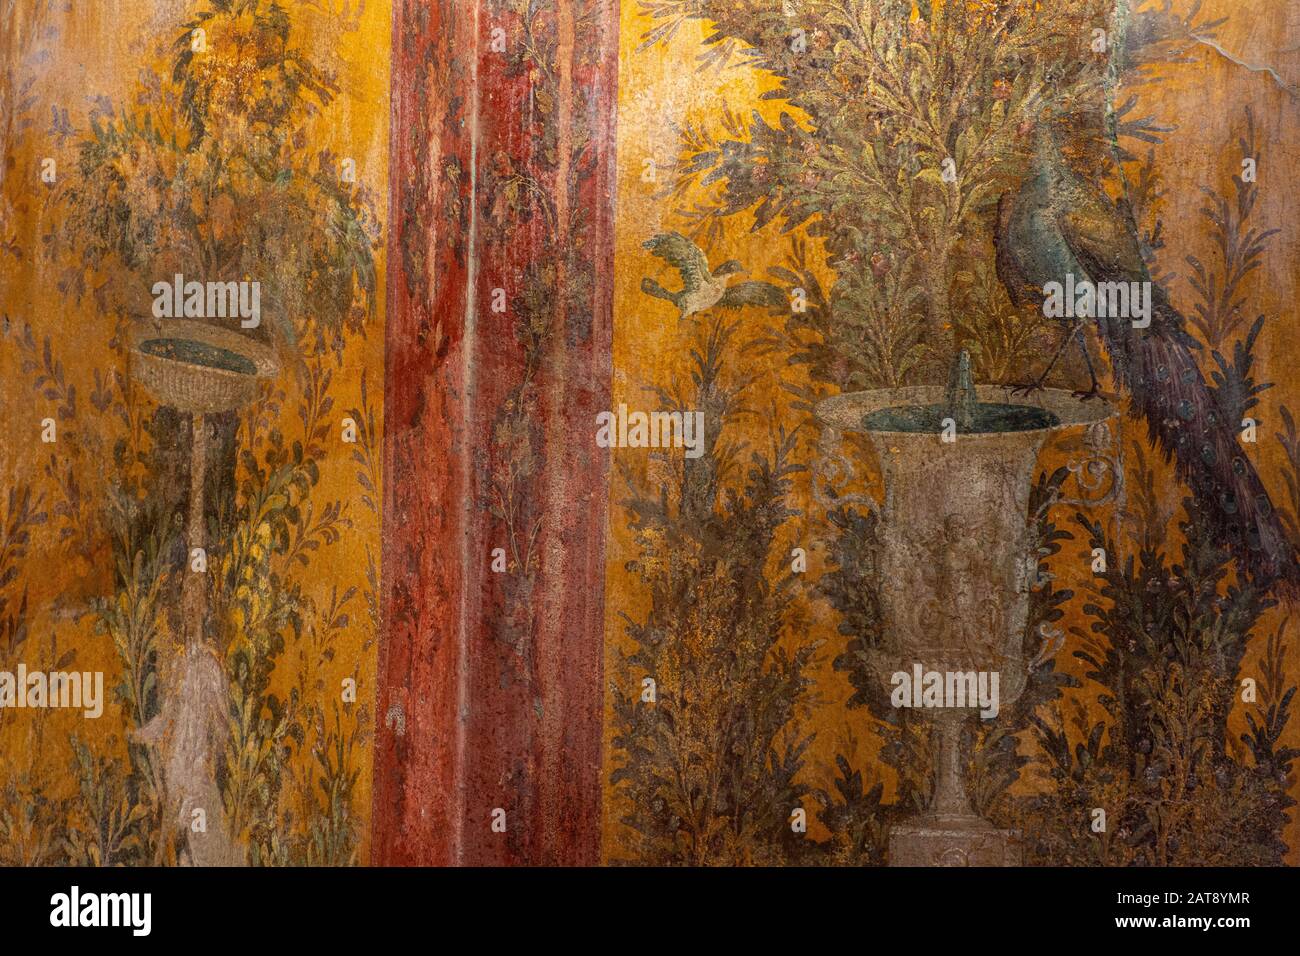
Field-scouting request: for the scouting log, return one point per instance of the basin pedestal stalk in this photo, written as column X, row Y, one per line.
column 950, row 804
column 194, row 595
column 198, row 369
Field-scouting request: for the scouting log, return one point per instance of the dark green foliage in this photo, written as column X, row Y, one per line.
column 110, row 823
column 1272, row 762
column 141, row 538
column 879, row 105
column 851, row 586
column 333, row 832
column 856, row 817
column 1289, row 439
column 292, row 86
column 707, row 771
column 1240, row 245
column 31, row 823
column 206, row 171
column 1235, row 390
column 1166, row 645
column 1167, row 642
column 21, row 515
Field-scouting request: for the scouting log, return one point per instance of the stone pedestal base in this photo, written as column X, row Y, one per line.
column 939, row 844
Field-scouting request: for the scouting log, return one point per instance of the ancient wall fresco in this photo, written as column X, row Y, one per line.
column 807, row 142
column 223, row 142
column 508, row 433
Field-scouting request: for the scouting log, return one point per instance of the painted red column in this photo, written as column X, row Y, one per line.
column 500, row 262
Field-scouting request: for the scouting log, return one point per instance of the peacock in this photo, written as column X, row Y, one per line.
column 1057, row 224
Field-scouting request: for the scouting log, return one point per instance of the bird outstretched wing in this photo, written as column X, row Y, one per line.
column 683, row 255
column 651, row 287
column 753, row 293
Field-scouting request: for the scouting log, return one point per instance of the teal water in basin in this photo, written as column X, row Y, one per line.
column 199, row 353
column 989, row 418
